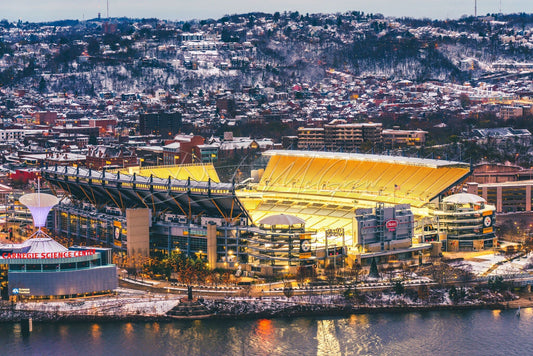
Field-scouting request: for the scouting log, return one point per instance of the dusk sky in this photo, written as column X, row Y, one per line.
column 46, row 10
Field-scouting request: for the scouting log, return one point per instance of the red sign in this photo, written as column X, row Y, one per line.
column 66, row 254
column 391, row 225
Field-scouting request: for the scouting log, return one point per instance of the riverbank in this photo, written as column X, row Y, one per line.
column 301, row 311
column 134, row 306
column 524, row 300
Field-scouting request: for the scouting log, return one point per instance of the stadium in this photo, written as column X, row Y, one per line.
column 188, row 208
column 151, row 211
column 325, row 188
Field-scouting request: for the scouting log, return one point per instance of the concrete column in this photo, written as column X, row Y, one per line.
column 212, row 245
column 484, row 193
column 138, row 232
column 499, row 202
column 528, row 198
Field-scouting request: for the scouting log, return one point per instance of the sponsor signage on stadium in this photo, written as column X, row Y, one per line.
column 335, row 232
column 488, row 230
column 391, row 225
column 305, row 246
column 38, row 255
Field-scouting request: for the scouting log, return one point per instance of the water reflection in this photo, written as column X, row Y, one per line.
column 128, row 330
column 481, row 332
column 527, row 312
column 361, row 320
column 496, row 314
column 328, row 343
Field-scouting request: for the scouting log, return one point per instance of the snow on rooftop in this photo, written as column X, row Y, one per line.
column 369, row 157
column 464, row 198
column 43, row 244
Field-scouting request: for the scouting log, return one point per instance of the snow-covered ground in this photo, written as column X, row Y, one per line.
column 496, row 264
column 126, row 302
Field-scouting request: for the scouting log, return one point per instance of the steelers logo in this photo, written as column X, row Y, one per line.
column 305, row 246
column 487, row 221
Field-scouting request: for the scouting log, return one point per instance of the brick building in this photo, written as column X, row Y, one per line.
column 110, row 156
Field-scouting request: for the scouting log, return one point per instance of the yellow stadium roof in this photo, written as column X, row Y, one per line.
column 324, row 188
column 197, row 172
column 387, row 179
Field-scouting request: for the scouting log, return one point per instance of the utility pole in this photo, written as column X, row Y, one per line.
column 475, row 8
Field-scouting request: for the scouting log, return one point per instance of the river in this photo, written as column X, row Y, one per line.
column 471, row 332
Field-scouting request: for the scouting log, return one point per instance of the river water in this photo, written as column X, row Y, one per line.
column 472, row 332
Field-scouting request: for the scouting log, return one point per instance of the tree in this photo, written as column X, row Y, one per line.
column 466, row 275
column 186, row 27
column 497, row 284
column 304, row 273
column 351, row 293
column 228, row 36
column 454, row 295
column 288, row 291
column 357, row 270
column 331, row 273
column 464, row 100
column 93, row 47
column 373, row 269
column 42, row 85
column 398, row 287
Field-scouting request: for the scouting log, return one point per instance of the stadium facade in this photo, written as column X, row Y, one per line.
column 467, row 221
column 188, row 208
column 325, row 189
column 141, row 213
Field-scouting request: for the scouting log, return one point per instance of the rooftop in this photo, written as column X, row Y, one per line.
column 425, row 162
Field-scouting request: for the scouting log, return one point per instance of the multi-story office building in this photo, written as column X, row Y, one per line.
column 339, row 136
column 311, row 138
column 402, row 138
column 349, row 137
column 12, row 135
column 507, row 197
column 164, row 123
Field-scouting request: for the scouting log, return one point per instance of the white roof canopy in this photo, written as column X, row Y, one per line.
column 464, row 198
column 39, row 205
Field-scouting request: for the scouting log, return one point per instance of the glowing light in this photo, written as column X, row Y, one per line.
column 96, row 333
column 265, row 330
column 39, row 205
column 128, row 329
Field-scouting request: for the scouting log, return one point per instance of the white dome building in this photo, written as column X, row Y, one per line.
column 40, row 267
